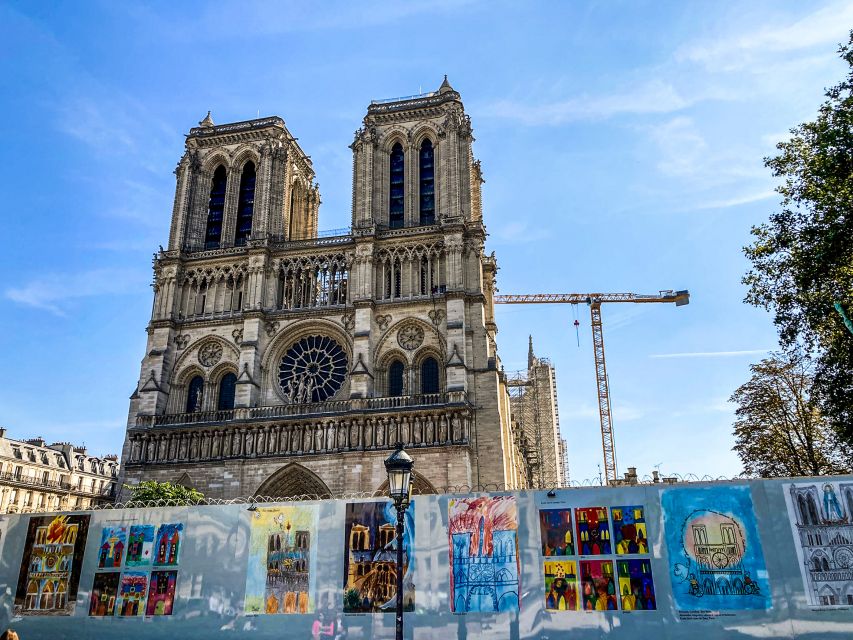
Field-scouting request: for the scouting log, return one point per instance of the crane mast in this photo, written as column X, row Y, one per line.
column 595, row 300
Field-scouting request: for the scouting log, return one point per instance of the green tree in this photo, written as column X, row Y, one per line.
column 152, row 490
column 779, row 430
column 802, row 258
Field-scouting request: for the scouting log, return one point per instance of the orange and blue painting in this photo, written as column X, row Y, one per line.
column 555, row 529
column 593, row 531
column 561, row 585
column 50, row 566
column 636, row 587
column 629, row 529
column 168, row 544
column 113, row 544
column 484, row 560
column 131, row 594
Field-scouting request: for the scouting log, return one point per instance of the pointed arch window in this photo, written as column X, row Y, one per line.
column 227, row 390
column 396, row 196
column 395, row 379
column 215, row 208
column 195, row 392
column 245, row 205
column 427, row 183
column 429, row 376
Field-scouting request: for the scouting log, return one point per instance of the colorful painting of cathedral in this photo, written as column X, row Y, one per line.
column 555, row 528
column 113, row 544
column 598, row 587
column 370, row 557
column 140, row 545
column 821, row 515
column 102, row 600
column 279, row 578
column 629, row 529
column 484, row 560
column 161, row 593
column 714, row 549
column 561, row 585
column 131, row 594
column 593, row 531
column 167, row 545
column 636, row 586
column 50, row 567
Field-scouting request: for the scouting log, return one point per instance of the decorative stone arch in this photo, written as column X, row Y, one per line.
column 381, row 366
column 428, row 351
column 420, row 487
column 243, row 154
column 422, row 130
column 191, row 352
column 294, row 481
column 393, row 135
column 213, row 160
column 387, row 341
column 214, row 380
column 184, row 480
column 178, row 389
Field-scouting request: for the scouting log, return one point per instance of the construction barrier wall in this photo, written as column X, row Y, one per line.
column 757, row 559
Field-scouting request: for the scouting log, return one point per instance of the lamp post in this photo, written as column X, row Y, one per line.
column 399, row 467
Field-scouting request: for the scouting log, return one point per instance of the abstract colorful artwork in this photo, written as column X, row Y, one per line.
column 598, row 588
column 370, row 557
column 161, row 593
column 821, row 515
column 714, row 549
column 593, row 531
column 102, row 601
column 168, row 544
column 140, row 545
column 484, row 561
column 113, row 544
column 561, row 585
column 50, row 567
column 555, row 528
column 636, row 587
column 629, row 529
column 281, row 554
column 131, row 594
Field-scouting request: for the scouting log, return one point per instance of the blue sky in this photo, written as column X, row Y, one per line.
column 621, row 143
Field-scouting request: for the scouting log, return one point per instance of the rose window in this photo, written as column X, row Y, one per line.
column 312, row 370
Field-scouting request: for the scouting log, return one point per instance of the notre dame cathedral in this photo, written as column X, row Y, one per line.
column 281, row 361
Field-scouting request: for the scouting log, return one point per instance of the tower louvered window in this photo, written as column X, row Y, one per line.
column 429, row 376
column 397, row 188
column 227, row 388
column 245, row 205
column 215, row 208
column 395, row 379
column 427, row 183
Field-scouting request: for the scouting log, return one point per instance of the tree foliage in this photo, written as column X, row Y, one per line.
column 152, row 490
column 802, row 258
column 779, row 428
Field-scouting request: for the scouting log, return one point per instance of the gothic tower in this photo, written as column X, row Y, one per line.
column 282, row 361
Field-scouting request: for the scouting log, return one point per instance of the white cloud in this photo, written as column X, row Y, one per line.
column 738, row 200
column 682, row 148
column 520, row 232
column 51, row 291
column 711, row 354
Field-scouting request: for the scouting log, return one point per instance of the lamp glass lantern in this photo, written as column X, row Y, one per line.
column 399, row 467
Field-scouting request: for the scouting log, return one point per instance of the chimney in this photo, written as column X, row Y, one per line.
column 655, row 476
column 2, row 432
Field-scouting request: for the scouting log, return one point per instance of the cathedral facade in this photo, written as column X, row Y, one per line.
column 281, row 361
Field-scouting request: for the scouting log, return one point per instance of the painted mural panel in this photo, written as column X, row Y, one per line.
column 370, row 557
column 167, row 546
column 555, row 528
column 561, row 585
column 50, row 567
column 629, row 529
column 140, row 545
column 102, row 601
column 161, row 593
column 131, row 594
column 593, row 531
column 821, row 516
column 598, row 587
column 113, row 544
column 714, row 549
column 282, row 553
column 636, row 586
column 483, row 546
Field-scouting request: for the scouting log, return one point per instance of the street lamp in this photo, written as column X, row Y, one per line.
column 399, row 467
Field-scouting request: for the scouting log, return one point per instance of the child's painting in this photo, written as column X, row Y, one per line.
column 282, row 553
column 561, row 585
column 636, row 587
column 555, row 528
column 593, row 531
column 598, row 587
column 131, row 594
column 484, row 561
column 167, row 545
column 140, row 545
column 715, row 553
column 629, row 530
column 161, row 593
column 50, row 566
column 102, row 601
column 113, row 544
column 370, row 557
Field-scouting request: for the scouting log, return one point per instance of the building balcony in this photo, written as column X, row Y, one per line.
column 55, row 486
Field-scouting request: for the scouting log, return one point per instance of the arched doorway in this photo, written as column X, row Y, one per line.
column 422, row 486
column 294, row 481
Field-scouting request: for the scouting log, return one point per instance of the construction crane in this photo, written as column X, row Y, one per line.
column 595, row 300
